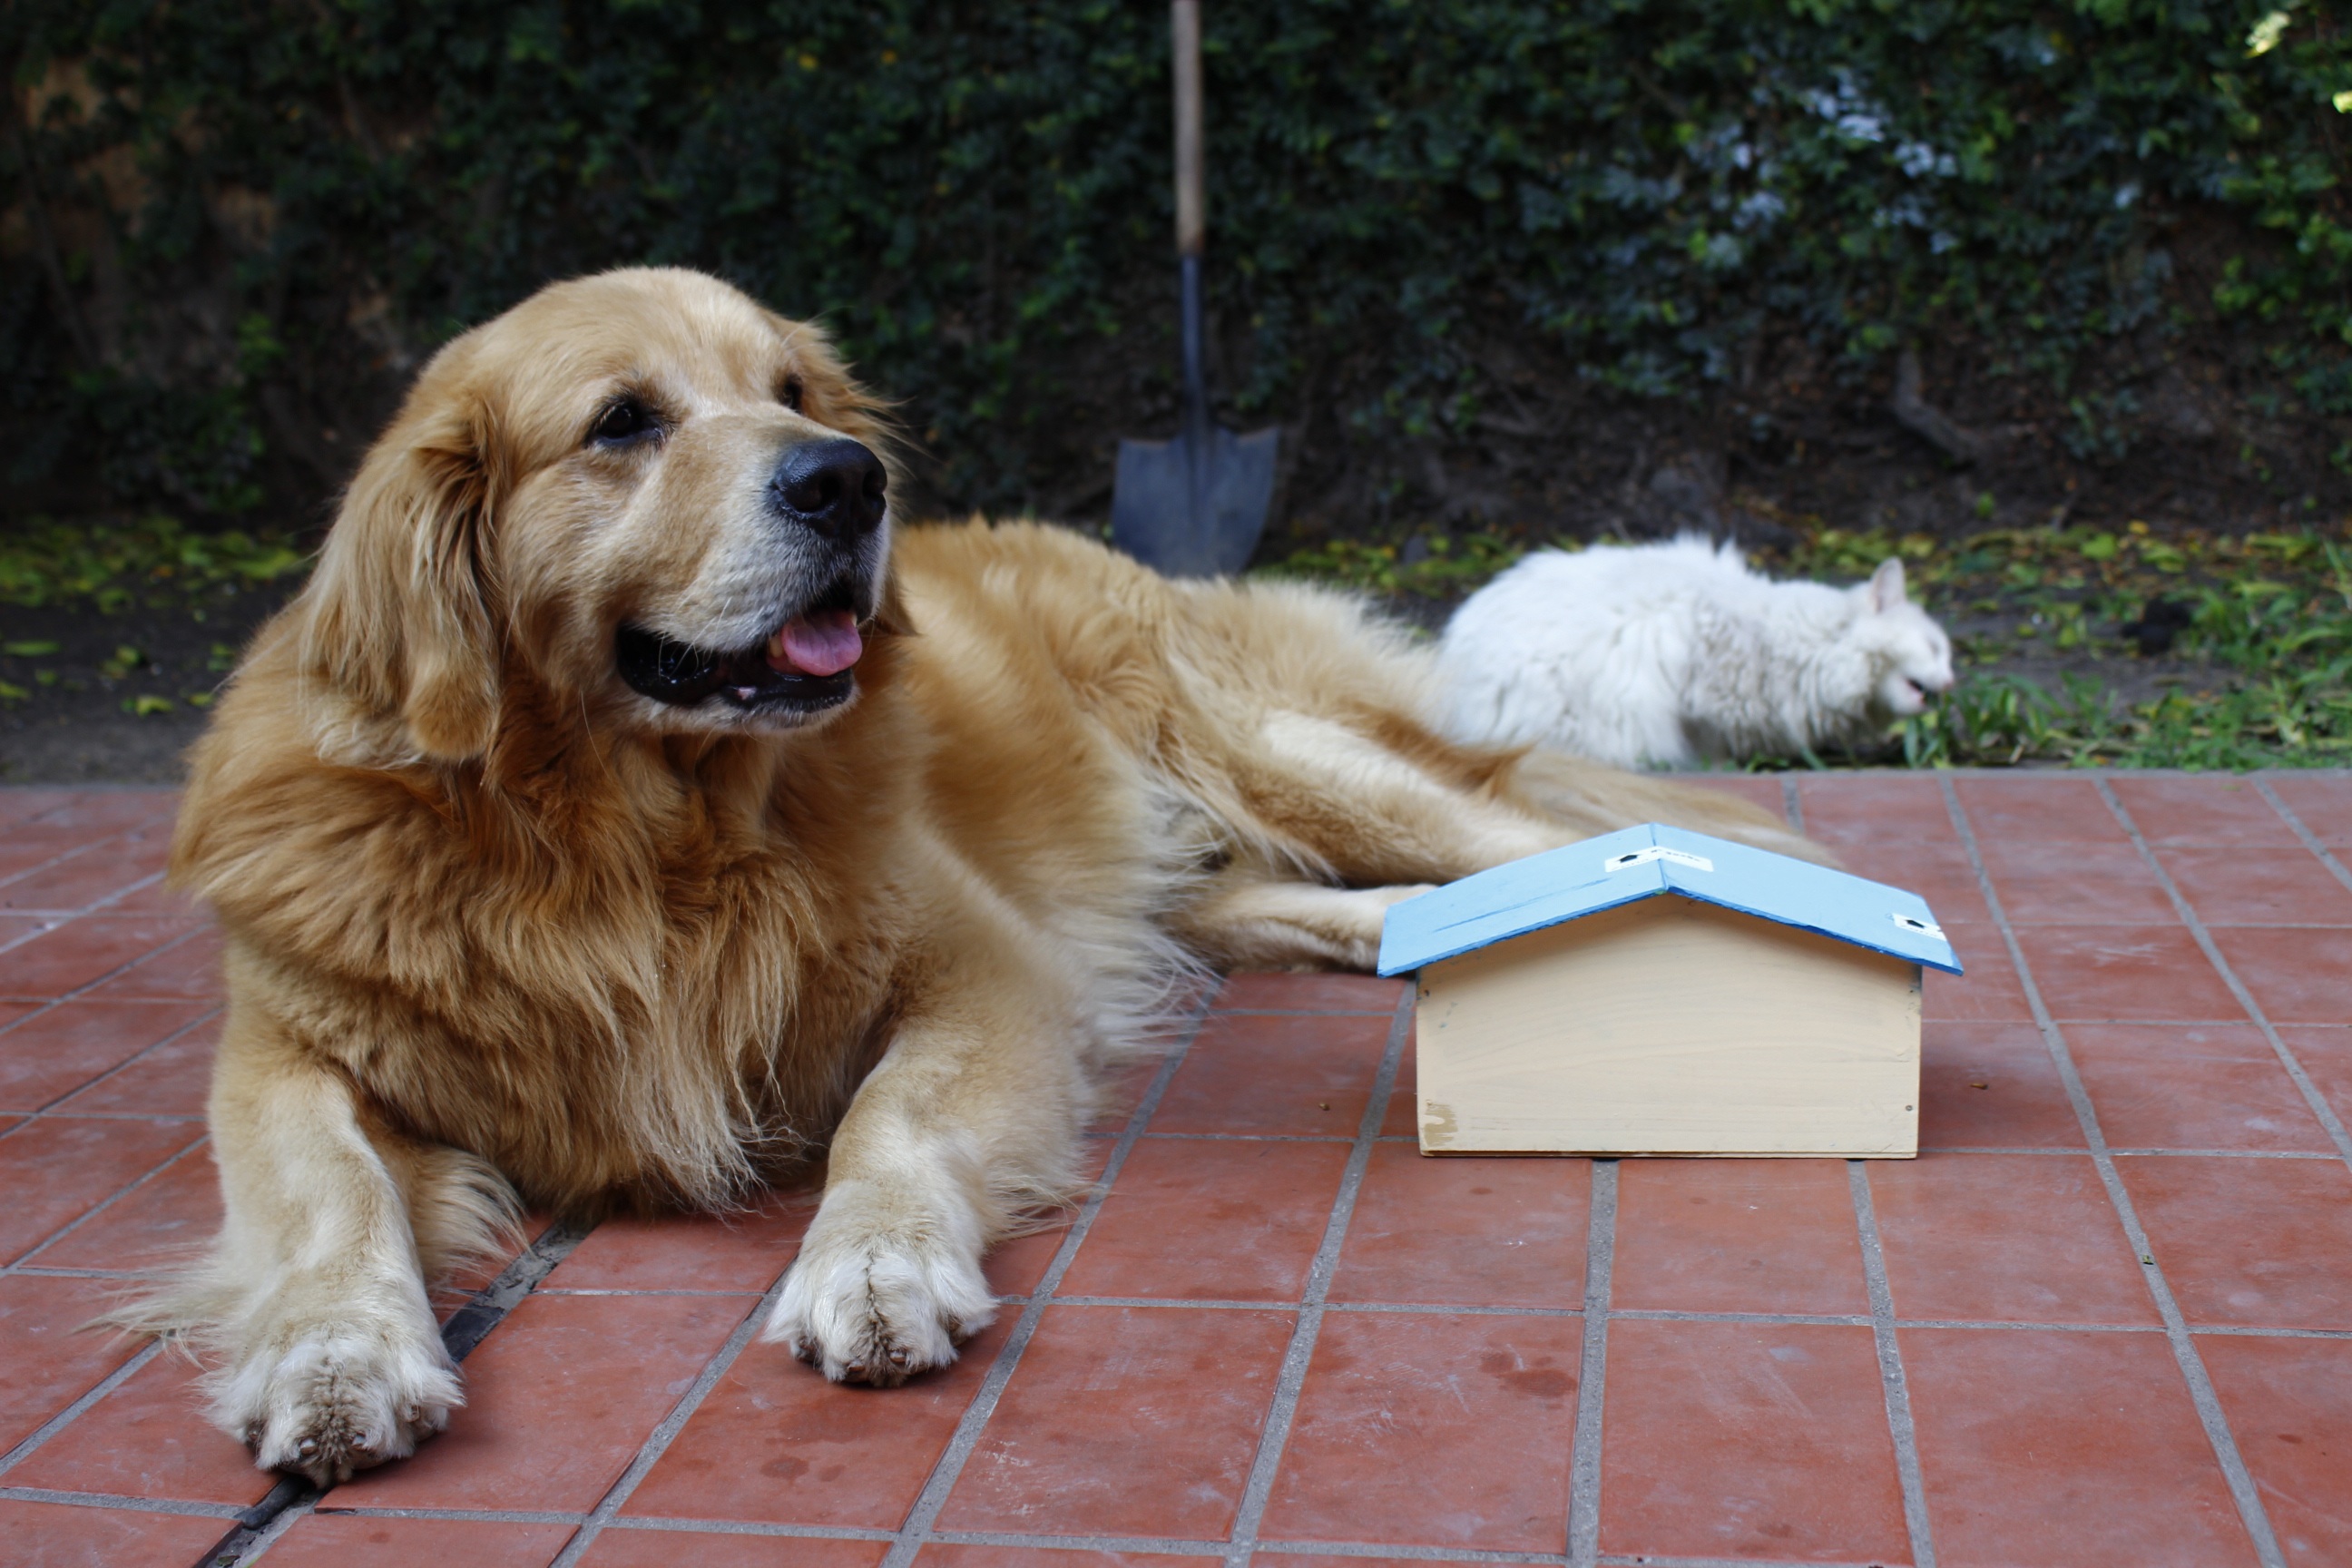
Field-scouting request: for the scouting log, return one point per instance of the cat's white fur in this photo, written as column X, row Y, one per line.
column 1676, row 653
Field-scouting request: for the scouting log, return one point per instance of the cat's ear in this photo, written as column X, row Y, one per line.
column 1886, row 586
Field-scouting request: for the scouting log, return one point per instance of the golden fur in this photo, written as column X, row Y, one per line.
column 501, row 926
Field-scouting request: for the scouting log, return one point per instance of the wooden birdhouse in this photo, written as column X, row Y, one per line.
column 1659, row 992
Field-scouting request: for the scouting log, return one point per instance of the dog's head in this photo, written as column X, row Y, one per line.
column 639, row 494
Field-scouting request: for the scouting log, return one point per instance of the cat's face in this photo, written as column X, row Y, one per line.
column 1910, row 655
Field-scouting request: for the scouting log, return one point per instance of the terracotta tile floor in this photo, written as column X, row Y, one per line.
column 2105, row 1317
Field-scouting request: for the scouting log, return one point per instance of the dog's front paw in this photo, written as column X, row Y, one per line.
column 337, row 1401
column 877, row 1307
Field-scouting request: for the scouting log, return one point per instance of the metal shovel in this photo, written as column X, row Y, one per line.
column 1193, row 506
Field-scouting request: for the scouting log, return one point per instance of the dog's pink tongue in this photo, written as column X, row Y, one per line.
column 823, row 643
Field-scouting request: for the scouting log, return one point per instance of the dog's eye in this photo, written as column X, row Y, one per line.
column 624, row 424
column 788, row 394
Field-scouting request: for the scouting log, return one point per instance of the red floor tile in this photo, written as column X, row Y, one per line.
column 1894, row 808
column 1991, row 1086
column 2125, row 973
column 147, row 1437
column 2259, row 886
column 1432, row 1430
column 2027, row 1238
column 779, row 1444
column 690, row 1252
column 82, row 950
column 2289, row 1402
column 2202, row 809
column 101, row 813
column 1290, row 1077
column 2038, row 808
column 55, row 1535
column 1748, row 1440
column 192, row 969
column 1126, row 1421
column 776, row 1444
column 1310, row 993
column 2296, row 976
column 2323, row 802
column 1210, row 1219
column 945, row 1554
column 160, row 1225
column 24, row 802
column 2326, row 1053
column 52, row 1055
column 330, row 1540
column 1737, row 1236
column 80, row 880
column 1466, row 1232
column 1940, row 873
column 47, row 1361
column 2064, row 1450
column 557, row 1401
column 621, row 1548
column 2264, row 1243
column 2206, row 1086
column 2083, row 884
column 155, row 899
column 1017, row 1266
column 1756, row 790
column 54, row 1171
column 172, row 1080
column 1987, row 993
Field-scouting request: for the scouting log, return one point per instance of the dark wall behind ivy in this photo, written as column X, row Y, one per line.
column 234, row 226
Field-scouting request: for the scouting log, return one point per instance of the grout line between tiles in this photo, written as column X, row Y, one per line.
column 140, row 1055
column 1891, row 1376
column 1792, row 804
column 1584, row 1468
column 2242, row 1490
column 658, row 1442
column 95, row 907
column 2311, row 840
column 916, row 1529
column 259, row 1526
column 1309, row 1326
column 2316, row 1102
column 126, row 1504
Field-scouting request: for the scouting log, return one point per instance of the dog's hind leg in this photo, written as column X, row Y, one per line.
column 1242, row 920
column 1376, row 810
column 314, row 1298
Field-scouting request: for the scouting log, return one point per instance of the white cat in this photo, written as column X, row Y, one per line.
column 1674, row 653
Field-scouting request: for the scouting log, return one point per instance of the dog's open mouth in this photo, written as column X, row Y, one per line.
column 806, row 665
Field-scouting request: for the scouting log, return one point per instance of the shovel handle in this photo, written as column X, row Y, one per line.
column 1192, row 202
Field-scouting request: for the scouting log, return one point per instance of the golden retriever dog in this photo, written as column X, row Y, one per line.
column 629, row 815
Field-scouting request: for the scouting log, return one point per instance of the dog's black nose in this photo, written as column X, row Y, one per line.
column 835, row 487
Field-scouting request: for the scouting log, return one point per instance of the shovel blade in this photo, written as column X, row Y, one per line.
column 1191, row 512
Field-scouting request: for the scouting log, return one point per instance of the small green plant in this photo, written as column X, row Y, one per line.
column 155, row 561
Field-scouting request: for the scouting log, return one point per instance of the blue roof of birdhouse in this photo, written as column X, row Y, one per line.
column 1643, row 862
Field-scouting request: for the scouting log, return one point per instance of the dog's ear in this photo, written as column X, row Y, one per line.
column 399, row 614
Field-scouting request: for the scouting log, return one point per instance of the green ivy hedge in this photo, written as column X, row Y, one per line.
column 234, row 222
